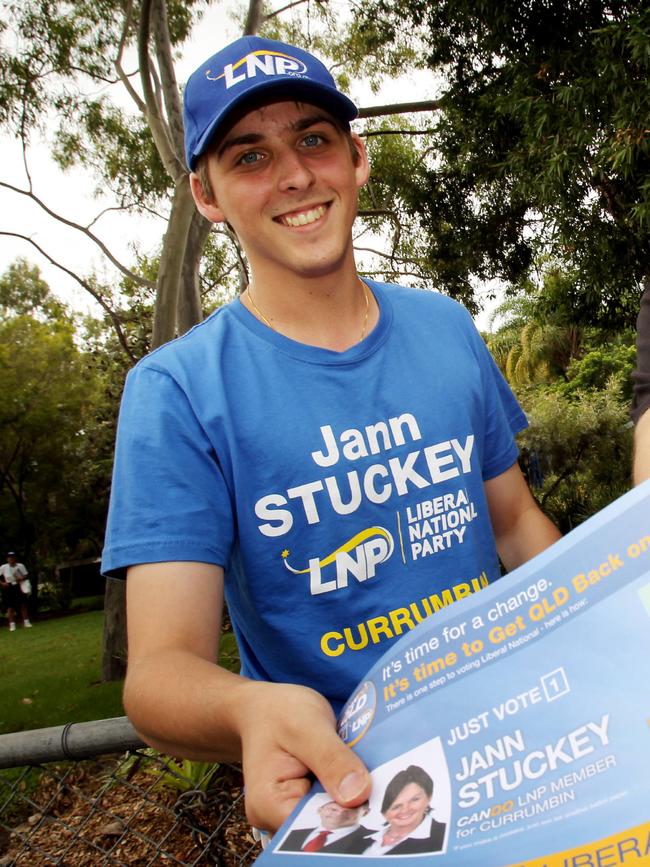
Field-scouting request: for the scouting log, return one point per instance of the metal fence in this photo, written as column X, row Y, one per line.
column 93, row 794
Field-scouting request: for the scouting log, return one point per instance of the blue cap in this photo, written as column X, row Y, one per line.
column 251, row 67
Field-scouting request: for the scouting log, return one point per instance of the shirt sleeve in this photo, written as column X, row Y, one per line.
column 169, row 500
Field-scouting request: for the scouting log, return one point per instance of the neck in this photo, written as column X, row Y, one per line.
column 331, row 314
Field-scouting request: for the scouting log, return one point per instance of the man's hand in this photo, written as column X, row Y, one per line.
column 184, row 704
column 288, row 733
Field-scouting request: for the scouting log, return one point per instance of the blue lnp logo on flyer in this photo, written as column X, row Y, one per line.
column 358, row 713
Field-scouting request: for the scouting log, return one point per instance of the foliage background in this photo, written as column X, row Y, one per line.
column 528, row 171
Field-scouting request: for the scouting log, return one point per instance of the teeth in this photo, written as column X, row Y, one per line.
column 305, row 217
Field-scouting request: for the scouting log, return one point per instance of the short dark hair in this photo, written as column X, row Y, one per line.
column 412, row 774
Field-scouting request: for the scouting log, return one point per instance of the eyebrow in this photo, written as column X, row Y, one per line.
column 236, row 141
column 305, row 122
column 252, row 138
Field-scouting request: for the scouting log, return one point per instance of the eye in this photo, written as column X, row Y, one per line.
column 313, row 140
column 249, row 158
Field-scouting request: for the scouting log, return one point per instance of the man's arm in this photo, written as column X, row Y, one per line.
column 183, row 703
column 641, row 467
column 640, row 410
column 520, row 527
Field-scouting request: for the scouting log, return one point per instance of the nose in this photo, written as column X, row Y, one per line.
column 293, row 173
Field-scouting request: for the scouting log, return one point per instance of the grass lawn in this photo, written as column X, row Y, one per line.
column 50, row 674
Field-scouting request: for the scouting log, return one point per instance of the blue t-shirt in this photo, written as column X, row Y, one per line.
column 341, row 492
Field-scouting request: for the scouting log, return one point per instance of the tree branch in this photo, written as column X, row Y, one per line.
column 83, row 229
column 219, row 279
column 384, row 212
column 12, row 490
column 14, row 423
column 158, row 94
column 117, row 63
column 284, row 9
column 400, row 108
column 168, row 76
column 254, row 17
column 241, row 262
column 87, row 286
column 377, row 212
column 570, row 469
column 396, row 132
column 159, row 130
column 127, row 206
column 93, row 76
column 400, row 260
column 23, row 139
column 417, row 274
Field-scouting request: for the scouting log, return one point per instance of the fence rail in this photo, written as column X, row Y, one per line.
column 93, row 794
column 72, row 741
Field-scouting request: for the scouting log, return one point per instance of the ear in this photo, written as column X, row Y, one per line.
column 207, row 206
column 362, row 168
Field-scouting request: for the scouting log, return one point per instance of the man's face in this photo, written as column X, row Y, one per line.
column 285, row 179
column 333, row 816
column 11, row 560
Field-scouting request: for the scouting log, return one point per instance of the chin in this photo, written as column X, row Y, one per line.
column 322, row 268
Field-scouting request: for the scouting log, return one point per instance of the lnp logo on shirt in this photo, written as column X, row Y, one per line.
column 357, row 558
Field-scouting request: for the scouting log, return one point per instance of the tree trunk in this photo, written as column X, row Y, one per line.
column 189, row 309
column 172, row 261
column 114, row 644
column 254, row 17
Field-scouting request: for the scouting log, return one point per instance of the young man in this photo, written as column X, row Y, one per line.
column 337, row 456
column 15, row 592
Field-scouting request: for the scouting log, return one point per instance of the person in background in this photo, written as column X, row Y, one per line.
column 641, row 400
column 15, row 590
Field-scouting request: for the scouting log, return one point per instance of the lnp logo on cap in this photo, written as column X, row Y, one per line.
column 264, row 61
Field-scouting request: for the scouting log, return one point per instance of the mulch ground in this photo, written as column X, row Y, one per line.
column 87, row 814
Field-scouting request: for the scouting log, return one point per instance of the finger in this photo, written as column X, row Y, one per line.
column 269, row 812
column 273, row 786
column 299, row 738
column 339, row 770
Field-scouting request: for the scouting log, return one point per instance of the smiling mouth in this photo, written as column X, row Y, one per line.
column 304, row 218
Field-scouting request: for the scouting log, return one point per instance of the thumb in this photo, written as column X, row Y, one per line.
column 340, row 771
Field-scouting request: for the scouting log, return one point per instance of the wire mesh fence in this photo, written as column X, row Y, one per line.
column 131, row 808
